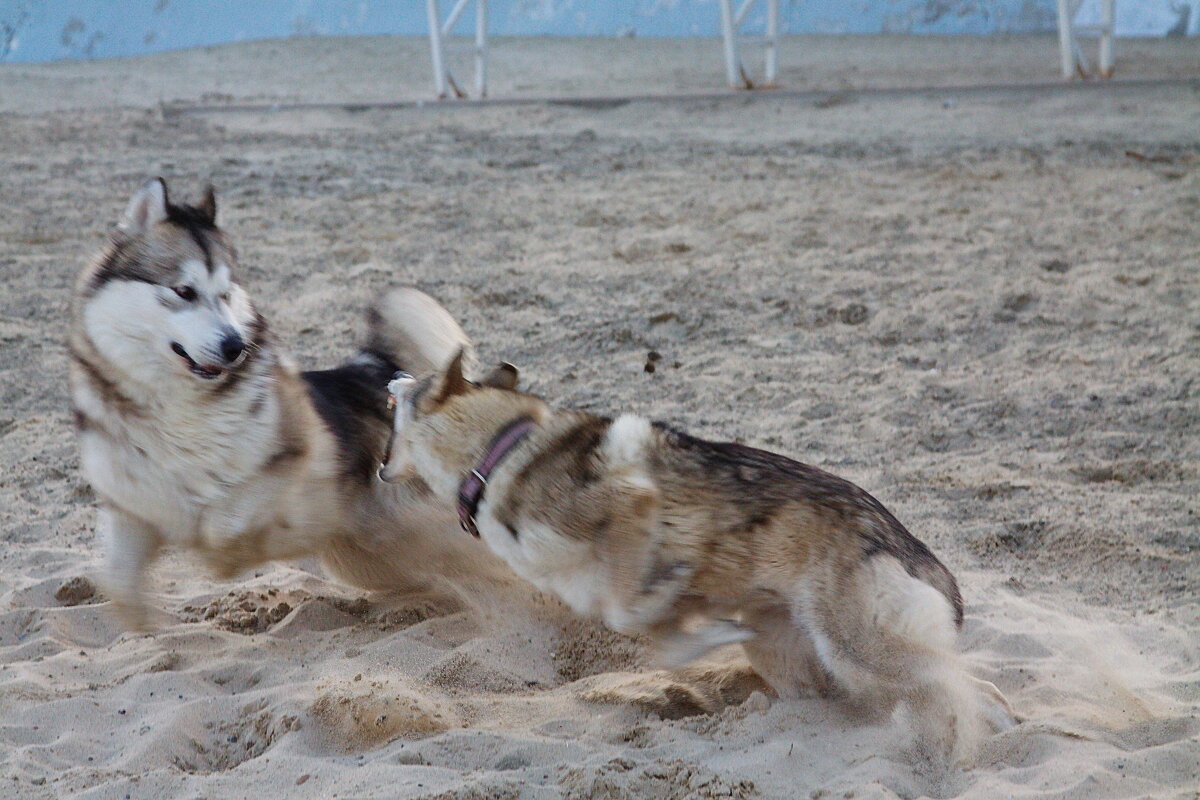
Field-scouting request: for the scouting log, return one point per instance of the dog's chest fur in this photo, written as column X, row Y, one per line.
column 175, row 457
column 550, row 561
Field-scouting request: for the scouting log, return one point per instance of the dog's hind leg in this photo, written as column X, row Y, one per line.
column 131, row 546
column 887, row 637
column 783, row 654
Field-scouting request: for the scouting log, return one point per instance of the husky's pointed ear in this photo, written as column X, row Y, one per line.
column 208, row 205
column 451, row 382
column 146, row 208
column 504, row 376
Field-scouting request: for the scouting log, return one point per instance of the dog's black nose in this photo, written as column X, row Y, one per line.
column 232, row 347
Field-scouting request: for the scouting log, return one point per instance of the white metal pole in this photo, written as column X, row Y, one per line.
column 740, row 16
column 728, row 33
column 481, row 54
column 1106, row 38
column 1066, row 49
column 772, row 41
column 435, row 47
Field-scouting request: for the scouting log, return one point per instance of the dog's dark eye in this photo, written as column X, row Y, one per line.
column 185, row 292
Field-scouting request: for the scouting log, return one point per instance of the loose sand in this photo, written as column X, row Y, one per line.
column 979, row 305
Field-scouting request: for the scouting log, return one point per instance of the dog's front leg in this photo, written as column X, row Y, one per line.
column 130, row 547
column 647, row 576
column 678, row 648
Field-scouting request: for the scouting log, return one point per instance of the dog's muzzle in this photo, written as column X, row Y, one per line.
column 208, row 372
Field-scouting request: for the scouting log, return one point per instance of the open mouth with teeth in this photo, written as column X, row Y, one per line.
column 206, row 371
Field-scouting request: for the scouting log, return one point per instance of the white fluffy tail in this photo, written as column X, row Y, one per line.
column 416, row 332
column 907, row 607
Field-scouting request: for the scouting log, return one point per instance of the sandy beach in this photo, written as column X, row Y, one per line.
column 980, row 304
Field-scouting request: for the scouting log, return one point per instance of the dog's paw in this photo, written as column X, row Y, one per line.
column 997, row 712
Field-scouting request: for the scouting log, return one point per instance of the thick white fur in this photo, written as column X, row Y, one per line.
column 910, row 608
column 549, row 561
column 626, row 442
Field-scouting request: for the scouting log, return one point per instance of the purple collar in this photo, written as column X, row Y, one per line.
column 470, row 491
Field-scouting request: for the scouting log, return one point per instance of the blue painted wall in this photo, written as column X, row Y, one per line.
column 46, row 30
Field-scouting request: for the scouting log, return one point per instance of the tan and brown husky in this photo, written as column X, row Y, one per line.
column 699, row 544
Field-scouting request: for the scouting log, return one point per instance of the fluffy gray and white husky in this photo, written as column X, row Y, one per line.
column 196, row 431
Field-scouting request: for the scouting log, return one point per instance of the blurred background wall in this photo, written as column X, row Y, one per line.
column 47, row 30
